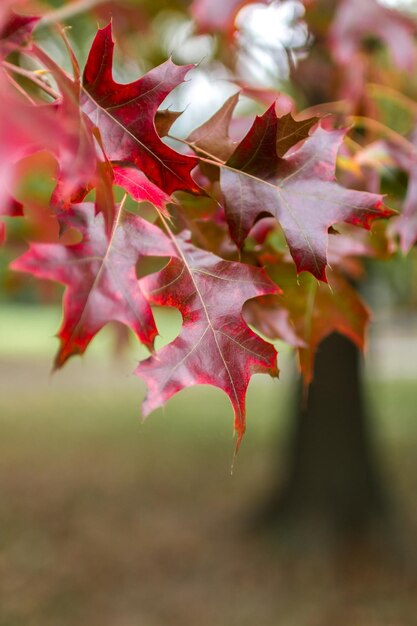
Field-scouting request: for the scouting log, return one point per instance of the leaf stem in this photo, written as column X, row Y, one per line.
column 213, row 159
column 19, row 88
column 31, row 76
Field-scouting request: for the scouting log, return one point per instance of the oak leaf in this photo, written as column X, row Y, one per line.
column 215, row 345
column 313, row 311
column 15, row 32
column 300, row 190
column 140, row 188
column 125, row 116
column 100, row 275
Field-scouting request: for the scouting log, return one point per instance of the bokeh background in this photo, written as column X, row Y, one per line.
column 108, row 521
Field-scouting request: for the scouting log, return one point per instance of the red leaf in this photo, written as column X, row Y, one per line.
column 140, row 188
column 100, row 276
column 300, row 190
column 75, row 150
column 24, row 129
column 314, row 310
column 11, row 208
column 125, row 114
column 215, row 346
column 15, row 32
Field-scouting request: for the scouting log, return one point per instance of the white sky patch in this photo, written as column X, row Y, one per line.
column 267, row 36
column 204, row 91
column 407, row 6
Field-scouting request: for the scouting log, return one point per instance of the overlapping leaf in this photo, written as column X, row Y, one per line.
column 100, row 274
column 308, row 311
column 15, row 31
column 215, row 346
column 140, row 188
column 404, row 226
column 75, row 150
column 125, row 116
column 300, row 190
column 212, row 137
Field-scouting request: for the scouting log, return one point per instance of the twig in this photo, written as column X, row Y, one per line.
column 19, row 88
column 31, row 76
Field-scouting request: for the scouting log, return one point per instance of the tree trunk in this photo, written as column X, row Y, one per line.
column 332, row 479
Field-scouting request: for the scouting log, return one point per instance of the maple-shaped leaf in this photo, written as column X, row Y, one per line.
column 300, row 190
column 125, row 116
column 140, row 188
column 15, row 32
column 100, row 274
column 315, row 310
column 357, row 21
column 215, row 345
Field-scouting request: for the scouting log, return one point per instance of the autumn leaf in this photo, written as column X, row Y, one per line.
column 15, row 32
column 100, row 275
column 215, row 345
column 125, row 116
column 75, row 149
column 314, row 310
column 300, row 190
column 140, row 188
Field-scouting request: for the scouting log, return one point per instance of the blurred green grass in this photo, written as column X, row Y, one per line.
column 107, row 521
column 27, row 334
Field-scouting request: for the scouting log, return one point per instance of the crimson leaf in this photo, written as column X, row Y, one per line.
column 100, row 274
column 125, row 116
column 215, row 346
column 300, row 191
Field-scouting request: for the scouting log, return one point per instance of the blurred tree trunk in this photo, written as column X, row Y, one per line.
column 332, row 476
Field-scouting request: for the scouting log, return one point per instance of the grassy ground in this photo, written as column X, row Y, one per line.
column 105, row 521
